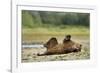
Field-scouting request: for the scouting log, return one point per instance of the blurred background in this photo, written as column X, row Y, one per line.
column 38, row 26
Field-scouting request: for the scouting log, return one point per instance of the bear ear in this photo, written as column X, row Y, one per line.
column 80, row 45
column 69, row 35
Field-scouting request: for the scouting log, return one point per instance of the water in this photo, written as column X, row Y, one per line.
column 33, row 46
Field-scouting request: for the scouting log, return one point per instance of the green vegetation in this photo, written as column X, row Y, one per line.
column 45, row 33
column 79, row 30
column 33, row 19
column 46, row 24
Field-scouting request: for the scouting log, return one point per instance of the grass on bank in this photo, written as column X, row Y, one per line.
column 73, row 30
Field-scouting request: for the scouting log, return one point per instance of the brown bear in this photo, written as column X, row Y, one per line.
column 66, row 47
